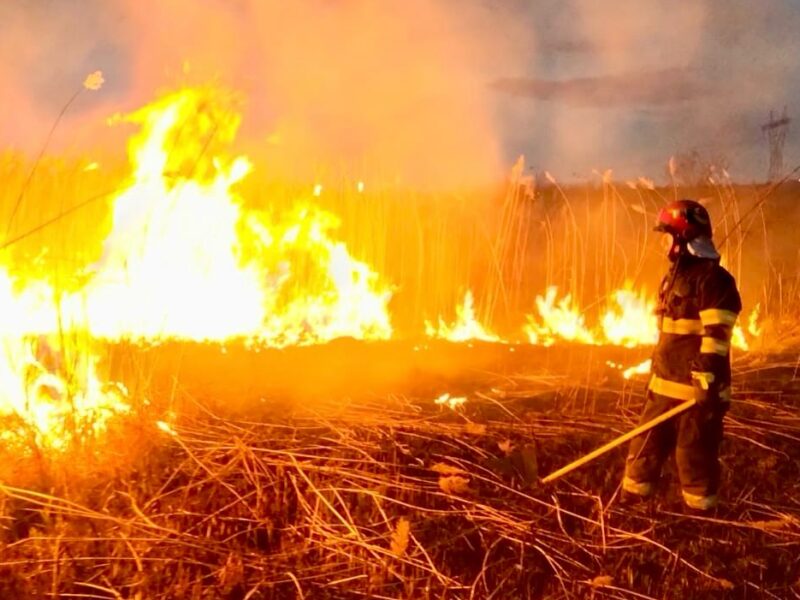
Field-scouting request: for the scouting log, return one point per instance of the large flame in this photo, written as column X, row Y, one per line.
column 186, row 260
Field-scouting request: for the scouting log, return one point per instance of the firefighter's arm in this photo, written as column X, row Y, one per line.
column 720, row 305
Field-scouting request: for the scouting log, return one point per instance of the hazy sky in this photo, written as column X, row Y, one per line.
column 624, row 84
column 572, row 84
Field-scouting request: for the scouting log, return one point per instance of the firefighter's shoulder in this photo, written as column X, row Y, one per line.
column 719, row 275
column 719, row 288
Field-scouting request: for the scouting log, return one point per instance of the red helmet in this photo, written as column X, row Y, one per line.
column 684, row 219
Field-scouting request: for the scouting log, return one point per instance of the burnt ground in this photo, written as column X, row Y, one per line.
column 330, row 472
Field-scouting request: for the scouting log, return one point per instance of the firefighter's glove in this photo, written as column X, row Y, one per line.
column 705, row 381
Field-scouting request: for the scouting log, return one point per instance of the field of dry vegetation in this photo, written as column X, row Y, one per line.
column 330, row 471
column 388, row 495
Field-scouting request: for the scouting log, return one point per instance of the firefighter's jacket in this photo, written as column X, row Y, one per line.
column 698, row 306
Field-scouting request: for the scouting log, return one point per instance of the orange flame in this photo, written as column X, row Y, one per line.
column 558, row 319
column 465, row 328
column 632, row 322
column 51, row 394
column 186, row 260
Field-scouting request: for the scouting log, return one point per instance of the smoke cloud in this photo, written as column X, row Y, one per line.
column 663, row 87
column 429, row 92
column 396, row 89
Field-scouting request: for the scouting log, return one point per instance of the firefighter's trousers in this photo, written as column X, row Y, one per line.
column 695, row 436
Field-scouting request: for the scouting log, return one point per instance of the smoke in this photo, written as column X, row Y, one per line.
column 661, row 87
column 389, row 90
column 426, row 92
column 606, row 78
column 625, row 84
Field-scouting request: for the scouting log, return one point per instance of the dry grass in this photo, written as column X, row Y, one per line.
column 395, row 497
column 507, row 244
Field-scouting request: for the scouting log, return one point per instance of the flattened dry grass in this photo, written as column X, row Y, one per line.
column 396, row 497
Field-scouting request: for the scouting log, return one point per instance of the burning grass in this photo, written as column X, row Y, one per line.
column 141, row 461
column 396, row 496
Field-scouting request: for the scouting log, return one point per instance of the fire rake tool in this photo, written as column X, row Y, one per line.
column 644, row 428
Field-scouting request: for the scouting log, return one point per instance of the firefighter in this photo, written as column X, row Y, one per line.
column 698, row 306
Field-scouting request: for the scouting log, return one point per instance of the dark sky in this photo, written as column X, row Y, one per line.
column 574, row 85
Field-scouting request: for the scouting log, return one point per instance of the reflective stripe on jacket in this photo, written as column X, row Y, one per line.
column 698, row 307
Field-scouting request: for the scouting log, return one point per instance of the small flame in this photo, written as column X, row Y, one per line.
column 753, row 327
column 166, row 428
column 465, row 328
column 742, row 337
column 641, row 369
column 558, row 319
column 51, row 395
column 451, row 402
column 632, row 322
column 738, row 340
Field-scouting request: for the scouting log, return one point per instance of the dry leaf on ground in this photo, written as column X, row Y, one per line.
column 602, row 580
column 400, row 537
column 454, row 484
column 506, row 446
column 726, row 584
column 445, row 469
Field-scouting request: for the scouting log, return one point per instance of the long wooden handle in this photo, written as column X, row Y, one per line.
column 620, row 440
